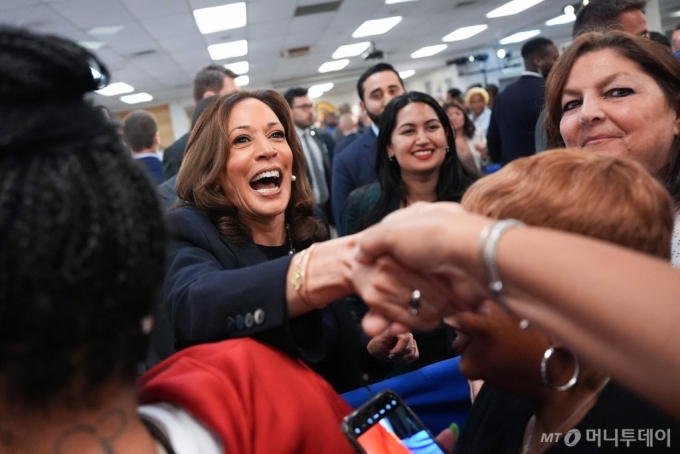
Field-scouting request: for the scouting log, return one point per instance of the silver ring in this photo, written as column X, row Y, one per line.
column 413, row 346
column 414, row 302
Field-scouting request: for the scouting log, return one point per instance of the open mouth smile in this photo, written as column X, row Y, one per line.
column 267, row 182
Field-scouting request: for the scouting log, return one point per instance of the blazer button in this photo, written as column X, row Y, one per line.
column 239, row 322
column 249, row 320
column 258, row 316
column 230, row 323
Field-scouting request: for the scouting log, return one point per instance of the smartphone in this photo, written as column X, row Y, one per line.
column 386, row 425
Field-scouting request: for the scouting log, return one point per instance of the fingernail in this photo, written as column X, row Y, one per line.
column 454, row 428
column 390, row 356
column 357, row 251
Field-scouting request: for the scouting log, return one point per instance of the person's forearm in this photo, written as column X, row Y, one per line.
column 320, row 275
column 614, row 307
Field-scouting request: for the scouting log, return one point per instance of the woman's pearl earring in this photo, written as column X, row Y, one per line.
column 293, row 178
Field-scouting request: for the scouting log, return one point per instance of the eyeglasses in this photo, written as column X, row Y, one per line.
column 303, row 106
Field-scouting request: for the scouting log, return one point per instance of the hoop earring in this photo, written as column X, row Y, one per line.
column 544, row 370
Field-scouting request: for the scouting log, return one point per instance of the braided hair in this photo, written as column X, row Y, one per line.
column 81, row 233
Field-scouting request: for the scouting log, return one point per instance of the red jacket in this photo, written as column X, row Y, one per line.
column 257, row 399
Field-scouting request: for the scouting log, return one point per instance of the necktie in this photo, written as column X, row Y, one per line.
column 319, row 186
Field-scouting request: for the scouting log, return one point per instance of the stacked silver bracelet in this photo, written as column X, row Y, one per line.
column 488, row 247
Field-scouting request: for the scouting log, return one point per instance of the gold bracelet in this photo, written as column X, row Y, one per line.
column 299, row 279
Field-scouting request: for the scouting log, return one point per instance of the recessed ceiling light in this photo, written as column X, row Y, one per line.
column 514, row 7
column 242, row 81
column 240, row 67
column 228, row 50
column 117, row 88
column 336, row 65
column 501, row 53
column 563, row 19
column 315, row 91
column 428, row 51
column 392, row 2
column 407, row 73
column 92, row 45
column 136, row 98
column 105, row 30
column 218, row 18
column 351, row 50
column 464, row 33
column 376, row 27
column 519, row 37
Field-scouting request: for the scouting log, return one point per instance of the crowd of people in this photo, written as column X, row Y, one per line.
column 204, row 303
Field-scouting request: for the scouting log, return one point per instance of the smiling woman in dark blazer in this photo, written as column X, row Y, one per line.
column 233, row 271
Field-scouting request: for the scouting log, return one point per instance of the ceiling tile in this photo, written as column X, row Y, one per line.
column 88, row 14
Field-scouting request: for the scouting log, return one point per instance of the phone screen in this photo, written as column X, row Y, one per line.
column 385, row 425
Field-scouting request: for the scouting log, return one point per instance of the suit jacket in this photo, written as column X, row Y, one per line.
column 153, row 167
column 167, row 194
column 353, row 168
column 317, row 136
column 346, row 140
column 172, row 156
column 516, row 109
column 215, row 289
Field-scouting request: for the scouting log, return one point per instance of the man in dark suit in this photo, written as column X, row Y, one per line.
column 516, row 109
column 140, row 133
column 355, row 166
column 210, row 81
column 313, row 146
column 347, row 125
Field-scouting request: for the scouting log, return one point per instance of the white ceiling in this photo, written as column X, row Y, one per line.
column 167, row 28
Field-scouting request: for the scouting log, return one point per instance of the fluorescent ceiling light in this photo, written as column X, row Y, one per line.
column 336, row 65
column 92, row 45
column 519, row 37
column 407, row 73
column 242, row 81
column 392, row 2
column 240, row 67
column 501, row 53
column 228, row 50
column 116, row 89
column 136, row 98
column 563, row 19
column 218, row 18
column 315, row 91
column 376, row 27
column 105, row 30
column 676, row 13
column 351, row 50
column 464, row 33
column 514, row 7
column 428, row 51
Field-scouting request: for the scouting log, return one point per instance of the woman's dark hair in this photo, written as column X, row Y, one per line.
column 205, row 161
column 651, row 57
column 468, row 126
column 81, row 232
column 453, row 178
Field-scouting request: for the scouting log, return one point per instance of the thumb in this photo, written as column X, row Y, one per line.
column 447, row 438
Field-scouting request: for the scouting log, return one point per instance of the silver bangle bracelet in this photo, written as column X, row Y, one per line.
column 488, row 247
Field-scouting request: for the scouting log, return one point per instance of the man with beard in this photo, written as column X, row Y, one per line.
column 517, row 108
column 355, row 166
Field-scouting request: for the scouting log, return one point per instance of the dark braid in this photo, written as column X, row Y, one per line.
column 81, row 233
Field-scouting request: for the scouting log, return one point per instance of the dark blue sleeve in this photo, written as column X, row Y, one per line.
column 208, row 301
column 493, row 137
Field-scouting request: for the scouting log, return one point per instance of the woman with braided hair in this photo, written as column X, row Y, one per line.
column 81, row 260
